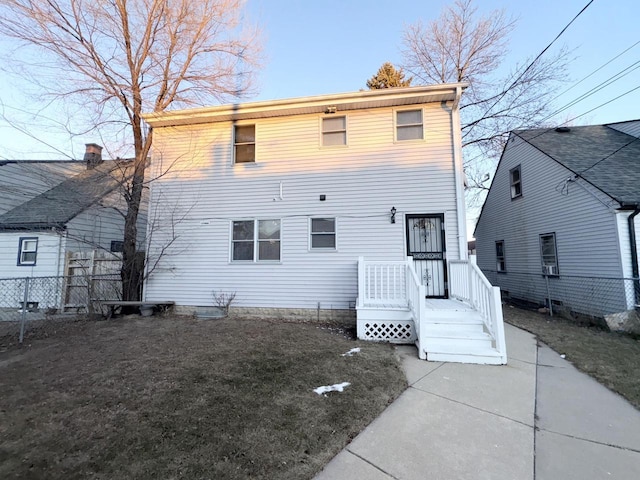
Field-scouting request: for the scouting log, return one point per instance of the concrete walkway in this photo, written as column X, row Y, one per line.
column 537, row 417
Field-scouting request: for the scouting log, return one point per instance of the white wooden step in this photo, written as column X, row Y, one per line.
column 444, row 329
column 492, row 358
column 457, row 343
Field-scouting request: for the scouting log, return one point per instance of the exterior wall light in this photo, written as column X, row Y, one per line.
column 393, row 214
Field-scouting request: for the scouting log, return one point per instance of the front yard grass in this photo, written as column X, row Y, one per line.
column 151, row 398
column 611, row 358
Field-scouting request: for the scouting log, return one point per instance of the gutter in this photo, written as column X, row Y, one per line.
column 459, row 175
column 634, row 255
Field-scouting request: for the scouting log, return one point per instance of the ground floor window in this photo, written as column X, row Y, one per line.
column 255, row 240
column 501, row 265
column 323, row 234
column 548, row 254
column 27, row 251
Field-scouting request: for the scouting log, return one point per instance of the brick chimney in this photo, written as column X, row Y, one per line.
column 93, row 155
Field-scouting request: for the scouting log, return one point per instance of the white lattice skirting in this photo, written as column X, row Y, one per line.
column 394, row 331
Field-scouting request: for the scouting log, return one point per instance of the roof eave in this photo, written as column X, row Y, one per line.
column 307, row 105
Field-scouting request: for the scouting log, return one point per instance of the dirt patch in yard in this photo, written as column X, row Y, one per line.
column 611, row 358
column 150, row 398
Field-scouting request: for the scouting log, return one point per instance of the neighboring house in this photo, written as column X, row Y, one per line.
column 21, row 180
column 560, row 218
column 80, row 214
column 310, row 207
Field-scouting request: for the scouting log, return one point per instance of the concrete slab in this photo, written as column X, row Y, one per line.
column 566, row 458
column 414, row 368
column 572, row 403
column 424, row 436
column 347, row 466
column 506, row 390
column 521, row 345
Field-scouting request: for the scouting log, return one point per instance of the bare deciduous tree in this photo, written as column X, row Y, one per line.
column 463, row 46
column 121, row 58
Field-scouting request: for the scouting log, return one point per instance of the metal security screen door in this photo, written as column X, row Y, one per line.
column 425, row 243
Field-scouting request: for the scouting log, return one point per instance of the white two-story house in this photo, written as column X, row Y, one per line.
column 315, row 207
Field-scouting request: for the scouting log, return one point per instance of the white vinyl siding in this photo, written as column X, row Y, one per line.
column 360, row 183
column 334, row 131
column 49, row 257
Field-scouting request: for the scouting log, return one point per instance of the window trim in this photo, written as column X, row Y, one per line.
column 235, row 144
column 555, row 252
column 21, row 250
column 335, row 235
column 501, row 259
column 346, row 131
column 513, row 184
column 256, row 241
column 396, row 126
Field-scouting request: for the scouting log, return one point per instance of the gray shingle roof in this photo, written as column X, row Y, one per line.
column 57, row 206
column 606, row 158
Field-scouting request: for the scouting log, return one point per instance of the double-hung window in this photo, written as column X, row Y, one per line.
column 501, row 265
column 516, row 182
column 409, row 125
column 549, row 254
column 323, row 234
column 255, row 241
column 334, row 131
column 27, row 251
column 244, row 147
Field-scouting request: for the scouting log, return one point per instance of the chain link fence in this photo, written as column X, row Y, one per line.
column 37, row 304
column 593, row 297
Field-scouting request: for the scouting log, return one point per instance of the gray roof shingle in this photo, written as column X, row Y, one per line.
column 57, row 206
column 603, row 156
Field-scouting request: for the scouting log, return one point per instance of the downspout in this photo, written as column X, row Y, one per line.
column 459, row 172
column 634, row 255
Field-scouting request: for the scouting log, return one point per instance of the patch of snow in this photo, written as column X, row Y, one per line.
column 338, row 387
column 563, row 356
column 351, row 352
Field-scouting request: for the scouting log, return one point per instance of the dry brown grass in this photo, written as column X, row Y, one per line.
column 611, row 358
column 180, row 398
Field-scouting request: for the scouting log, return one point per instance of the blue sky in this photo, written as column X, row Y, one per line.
column 314, row 48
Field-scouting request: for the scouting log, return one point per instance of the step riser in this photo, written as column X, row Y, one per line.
column 445, row 330
column 454, row 345
column 476, row 359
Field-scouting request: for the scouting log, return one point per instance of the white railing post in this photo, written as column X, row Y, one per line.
column 361, row 281
column 501, row 344
column 421, row 321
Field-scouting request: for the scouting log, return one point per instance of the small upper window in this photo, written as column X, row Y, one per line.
column 323, row 233
column 548, row 254
column 244, row 143
column 409, row 125
column 27, row 251
column 501, row 265
column 334, row 131
column 516, row 182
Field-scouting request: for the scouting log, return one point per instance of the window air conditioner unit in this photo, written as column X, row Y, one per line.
column 549, row 270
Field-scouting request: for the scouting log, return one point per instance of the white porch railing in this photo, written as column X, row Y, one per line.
column 417, row 304
column 468, row 284
column 382, row 284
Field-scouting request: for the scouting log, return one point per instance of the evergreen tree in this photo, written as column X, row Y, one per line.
column 387, row 77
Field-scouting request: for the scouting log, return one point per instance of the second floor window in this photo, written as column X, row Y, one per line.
column 244, row 138
column 334, row 131
column 516, row 182
column 409, row 125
